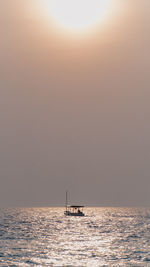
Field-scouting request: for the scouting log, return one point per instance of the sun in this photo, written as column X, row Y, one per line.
column 77, row 15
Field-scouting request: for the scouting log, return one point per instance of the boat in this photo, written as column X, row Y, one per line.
column 73, row 210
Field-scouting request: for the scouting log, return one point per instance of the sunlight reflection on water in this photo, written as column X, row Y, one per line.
column 104, row 237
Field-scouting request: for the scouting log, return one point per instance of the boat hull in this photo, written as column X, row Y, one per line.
column 79, row 214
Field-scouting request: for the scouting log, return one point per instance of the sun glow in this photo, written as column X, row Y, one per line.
column 77, row 15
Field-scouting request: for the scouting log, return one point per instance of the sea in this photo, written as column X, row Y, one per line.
column 103, row 237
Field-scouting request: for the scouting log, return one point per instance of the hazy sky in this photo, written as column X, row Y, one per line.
column 74, row 112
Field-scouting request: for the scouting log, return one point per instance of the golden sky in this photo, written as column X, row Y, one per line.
column 74, row 107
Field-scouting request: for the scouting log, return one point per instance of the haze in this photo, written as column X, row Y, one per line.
column 74, row 113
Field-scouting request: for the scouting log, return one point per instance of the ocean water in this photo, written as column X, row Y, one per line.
column 104, row 237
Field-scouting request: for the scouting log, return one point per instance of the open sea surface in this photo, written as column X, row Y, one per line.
column 46, row 237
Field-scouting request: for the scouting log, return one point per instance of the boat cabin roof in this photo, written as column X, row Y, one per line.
column 76, row 207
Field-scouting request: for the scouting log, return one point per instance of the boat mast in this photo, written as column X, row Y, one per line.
column 66, row 199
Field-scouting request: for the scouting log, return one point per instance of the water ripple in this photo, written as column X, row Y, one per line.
column 45, row 237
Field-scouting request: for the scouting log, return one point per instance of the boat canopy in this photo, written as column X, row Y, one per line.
column 76, row 207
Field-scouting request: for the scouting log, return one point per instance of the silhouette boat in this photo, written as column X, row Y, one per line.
column 73, row 210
